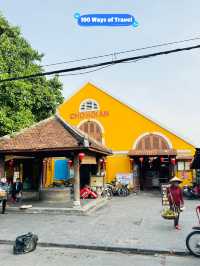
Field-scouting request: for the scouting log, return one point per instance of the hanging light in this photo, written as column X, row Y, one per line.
column 173, row 161
column 141, row 159
column 162, row 159
column 81, row 156
column 11, row 163
column 70, row 163
column 102, row 161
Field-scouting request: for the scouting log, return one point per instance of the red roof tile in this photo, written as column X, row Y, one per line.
column 50, row 134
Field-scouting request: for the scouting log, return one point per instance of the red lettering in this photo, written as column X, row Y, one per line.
column 72, row 116
column 81, row 115
column 91, row 114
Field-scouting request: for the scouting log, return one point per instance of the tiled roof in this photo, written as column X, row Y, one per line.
column 50, row 134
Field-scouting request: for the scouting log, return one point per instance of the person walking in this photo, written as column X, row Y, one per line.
column 17, row 190
column 175, row 197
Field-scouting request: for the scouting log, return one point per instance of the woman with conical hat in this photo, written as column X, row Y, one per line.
column 175, row 197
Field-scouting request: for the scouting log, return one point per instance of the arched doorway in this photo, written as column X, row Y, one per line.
column 152, row 154
column 93, row 129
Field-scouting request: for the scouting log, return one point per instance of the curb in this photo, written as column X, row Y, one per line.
column 124, row 250
column 84, row 210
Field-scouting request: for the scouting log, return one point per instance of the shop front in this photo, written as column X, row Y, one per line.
column 153, row 171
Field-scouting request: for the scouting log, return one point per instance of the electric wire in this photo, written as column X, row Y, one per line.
column 117, row 53
column 101, row 64
column 123, row 52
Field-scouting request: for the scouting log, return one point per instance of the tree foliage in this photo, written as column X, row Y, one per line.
column 23, row 102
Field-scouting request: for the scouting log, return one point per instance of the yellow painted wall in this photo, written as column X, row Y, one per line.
column 121, row 127
column 116, row 164
column 185, row 181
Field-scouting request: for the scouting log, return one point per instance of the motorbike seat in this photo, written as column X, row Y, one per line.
column 196, row 227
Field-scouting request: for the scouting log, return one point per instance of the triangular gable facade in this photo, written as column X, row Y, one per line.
column 119, row 126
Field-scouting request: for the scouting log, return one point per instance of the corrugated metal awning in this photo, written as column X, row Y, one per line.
column 155, row 152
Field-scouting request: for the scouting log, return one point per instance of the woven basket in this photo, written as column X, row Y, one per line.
column 172, row 216
column 169, row 217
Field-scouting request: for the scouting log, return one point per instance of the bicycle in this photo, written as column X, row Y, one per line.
column 193, row 239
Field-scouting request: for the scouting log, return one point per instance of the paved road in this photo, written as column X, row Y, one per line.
column 61, row 257
column 134, row 222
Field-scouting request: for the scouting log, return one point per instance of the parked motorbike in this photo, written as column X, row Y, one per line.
column 86, row 193
column 193, row 239
column 118, row 189
column 107, row 192
column 192, row 192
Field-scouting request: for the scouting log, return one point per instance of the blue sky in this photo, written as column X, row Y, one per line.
column 166, row 88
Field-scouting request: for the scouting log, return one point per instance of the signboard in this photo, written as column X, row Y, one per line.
column 96, row 181
column 165, row 201
column 125, row 178
column 89, row 160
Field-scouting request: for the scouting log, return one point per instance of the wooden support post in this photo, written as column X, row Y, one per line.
column 2, row 167
column 77, row 182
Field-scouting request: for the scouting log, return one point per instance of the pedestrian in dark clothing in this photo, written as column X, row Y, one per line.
column 175, row 197
column 17, row 190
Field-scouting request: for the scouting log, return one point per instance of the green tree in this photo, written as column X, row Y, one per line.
column 23, row 102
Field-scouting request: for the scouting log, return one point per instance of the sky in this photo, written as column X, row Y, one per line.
column 165, row 88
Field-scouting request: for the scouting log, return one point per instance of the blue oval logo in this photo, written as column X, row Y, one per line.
column 106, row 20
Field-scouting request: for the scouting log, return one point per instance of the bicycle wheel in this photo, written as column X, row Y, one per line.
column 193, row 243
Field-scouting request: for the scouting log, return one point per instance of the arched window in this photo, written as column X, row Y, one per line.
column 89, row 105
column 92, row 129
column 152, row 142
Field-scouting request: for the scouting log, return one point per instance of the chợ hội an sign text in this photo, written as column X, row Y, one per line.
column 86, row 115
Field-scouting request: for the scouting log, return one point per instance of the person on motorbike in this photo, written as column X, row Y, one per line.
column 175, row 197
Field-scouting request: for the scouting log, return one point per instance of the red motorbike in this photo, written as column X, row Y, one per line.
column 87, row 193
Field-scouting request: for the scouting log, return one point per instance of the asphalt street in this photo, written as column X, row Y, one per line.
column 60, row 257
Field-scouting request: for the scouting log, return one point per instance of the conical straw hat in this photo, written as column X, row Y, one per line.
column 175, row 179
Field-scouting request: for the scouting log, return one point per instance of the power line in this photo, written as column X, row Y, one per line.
column 118, row 61
column 118, row 53
column 123, row 52
column 86, row 72
column 98, row 69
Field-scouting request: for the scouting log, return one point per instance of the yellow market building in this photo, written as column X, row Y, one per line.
column 140, row 146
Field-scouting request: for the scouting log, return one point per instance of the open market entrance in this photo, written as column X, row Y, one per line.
column 153, row 161
column 152, row 172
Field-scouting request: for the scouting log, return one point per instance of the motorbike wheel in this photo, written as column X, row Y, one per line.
column 109, row 194
column 193, row 243
column 120, row 192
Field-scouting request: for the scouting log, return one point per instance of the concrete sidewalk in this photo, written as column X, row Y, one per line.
column 45, row 207
column 132, row 222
